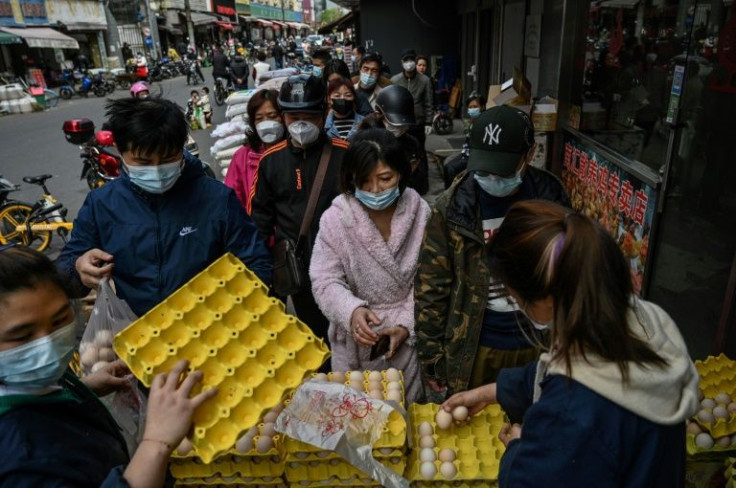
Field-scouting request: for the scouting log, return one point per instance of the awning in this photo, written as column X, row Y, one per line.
column 85, row 26
column 293, row 25
column 199, row 18
column 6, row 38
column 264, row 23
column 43, row 37
column 278, row 25
column 224, row 25
column 170, row 28
column 340, row 24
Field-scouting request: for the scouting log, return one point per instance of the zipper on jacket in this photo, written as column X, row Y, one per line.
column 159, row 250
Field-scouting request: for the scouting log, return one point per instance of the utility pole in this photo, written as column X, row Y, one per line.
column 153, row 25
column 190, row 26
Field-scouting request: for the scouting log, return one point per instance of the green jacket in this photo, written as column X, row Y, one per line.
column 451, row 284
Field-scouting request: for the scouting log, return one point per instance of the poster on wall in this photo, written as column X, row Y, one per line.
column 620, row 194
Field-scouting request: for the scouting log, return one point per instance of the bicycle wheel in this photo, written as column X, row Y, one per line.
column 52, row 98
column 15, row 214
column 219, row 94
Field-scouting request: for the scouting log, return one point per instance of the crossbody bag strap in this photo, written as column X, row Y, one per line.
column 324, row 162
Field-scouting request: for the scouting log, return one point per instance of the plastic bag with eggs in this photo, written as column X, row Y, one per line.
column 109, row 316
column 336, row 417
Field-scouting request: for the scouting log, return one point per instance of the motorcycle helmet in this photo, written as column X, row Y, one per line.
column 397, row 105
column 302, row 93
column 138, row 89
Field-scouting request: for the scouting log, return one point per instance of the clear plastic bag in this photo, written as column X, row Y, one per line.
column 128, row 408
column 109, row 316
column 337, row 418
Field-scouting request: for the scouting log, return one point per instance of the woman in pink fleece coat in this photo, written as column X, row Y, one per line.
column 265, row 130
column 365, row 257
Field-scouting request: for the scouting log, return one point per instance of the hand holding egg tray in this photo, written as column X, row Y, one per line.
column 225, row 324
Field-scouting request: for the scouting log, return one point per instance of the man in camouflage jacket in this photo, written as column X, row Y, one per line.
column 452, row 282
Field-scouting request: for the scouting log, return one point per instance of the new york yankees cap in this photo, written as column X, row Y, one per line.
column 500, row 136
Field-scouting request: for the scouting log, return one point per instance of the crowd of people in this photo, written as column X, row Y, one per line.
column 498, row 293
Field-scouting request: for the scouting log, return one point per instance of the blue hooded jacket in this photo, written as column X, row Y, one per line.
column 159, row 242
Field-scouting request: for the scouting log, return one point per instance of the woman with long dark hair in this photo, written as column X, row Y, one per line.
column 265, row 130
column 606, row 406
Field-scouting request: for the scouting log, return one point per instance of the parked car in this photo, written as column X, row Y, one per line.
column 315, row 39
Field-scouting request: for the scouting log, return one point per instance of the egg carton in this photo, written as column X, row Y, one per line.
column 716, row 364
column 695, row 450
column 220, row 481
column 718, row 375
column 298, row 471
column 232, row 463
column 242, row 340
column 730, row 472
column 379, row 454
column 477, row 447
column 355, row 481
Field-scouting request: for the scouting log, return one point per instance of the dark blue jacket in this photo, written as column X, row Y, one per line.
column 159, row 242
column 66, row 444
column 573, row 437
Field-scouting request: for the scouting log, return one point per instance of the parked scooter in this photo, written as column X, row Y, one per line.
column 86, row 84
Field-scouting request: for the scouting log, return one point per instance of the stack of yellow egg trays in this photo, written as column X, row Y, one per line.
column 309, row 467
column 225, row 324
column 477, row 447
column 717, row 375
column 730, row 473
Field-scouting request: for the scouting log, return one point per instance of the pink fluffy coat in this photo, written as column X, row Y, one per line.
column 353, row 266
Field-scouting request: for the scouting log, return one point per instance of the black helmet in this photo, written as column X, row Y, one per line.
column 397, row 105
column 302, row 93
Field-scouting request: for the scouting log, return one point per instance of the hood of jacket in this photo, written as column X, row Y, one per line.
column 664, row 395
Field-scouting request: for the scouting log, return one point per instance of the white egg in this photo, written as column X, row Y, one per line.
column 704, row 441
column 426, row 455
column 104, row 338
column 278, row 408
column 724, row 441
column 264, row 444
column 731, row 407
column 320, row 377
column 723, row 398
column 184, row 447
column 253, row 431
column 98, row 366
column 90, row 356
column 447, row 455
column 375, row 385
column 385, row 451
column 425, row 428
column 448, row 470
column 244, row 444
column 393, row 385
column 443, row 419
column 708, row 403
column 357, row 376
column 427, row 470
column 693, row 428
column 376, row 394
column 268, row 429
column 426, row 441
column 706, row 416
column 392, row 374
column 356, row 385
column 270, row 417
column 337, row 377
column 106, row 354
column 460, row 413
column 375, row 376
column 394, row 396
column 720, row 412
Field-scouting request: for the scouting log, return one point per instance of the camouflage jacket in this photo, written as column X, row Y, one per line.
column 451, row 284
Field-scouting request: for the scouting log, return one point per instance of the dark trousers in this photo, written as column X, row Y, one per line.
column 419, row 179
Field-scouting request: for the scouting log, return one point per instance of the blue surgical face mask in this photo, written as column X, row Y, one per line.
column 378, row 201
column 155, row 179
column 39, row 363
column 474, row 112
column 317, row 71
column 496, row 185
column 368, row 80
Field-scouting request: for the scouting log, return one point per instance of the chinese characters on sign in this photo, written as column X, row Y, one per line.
column 620, row 201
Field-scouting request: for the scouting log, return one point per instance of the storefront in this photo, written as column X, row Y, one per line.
column 84, row 21
column 653, row 87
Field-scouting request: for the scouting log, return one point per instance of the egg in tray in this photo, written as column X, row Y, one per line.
column 225, row 324
column 713, row 428
column 454, row 454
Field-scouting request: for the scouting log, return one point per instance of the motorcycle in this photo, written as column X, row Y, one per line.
column 69, row 88
column 223, row 88
column 99, row 164
column 192, row 76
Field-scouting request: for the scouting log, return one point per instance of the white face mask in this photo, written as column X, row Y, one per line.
column 270, row 131
column 303, row 132
column 537, row 325
column 409, row 65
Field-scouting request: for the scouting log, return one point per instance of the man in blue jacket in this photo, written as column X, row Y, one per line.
column 163, row 221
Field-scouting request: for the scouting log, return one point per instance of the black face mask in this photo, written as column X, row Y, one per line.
column 342, row 106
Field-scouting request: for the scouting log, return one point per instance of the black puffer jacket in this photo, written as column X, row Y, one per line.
column 239, row 69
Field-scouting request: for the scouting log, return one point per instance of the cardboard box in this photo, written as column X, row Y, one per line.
column 515, row 91
column 544, row 115
column 541, row 152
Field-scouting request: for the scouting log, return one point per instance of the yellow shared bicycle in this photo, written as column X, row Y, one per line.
column 31, row 225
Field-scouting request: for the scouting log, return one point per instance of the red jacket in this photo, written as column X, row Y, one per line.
column 242, row 172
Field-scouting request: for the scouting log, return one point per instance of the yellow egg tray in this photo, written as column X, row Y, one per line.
column 314, row 471
column 718, row 375
column 245, row 344
column 477, row 447
column 232, row 463
column 693, row 449
column 355, row 481
column 730, row 473
column 216, row 481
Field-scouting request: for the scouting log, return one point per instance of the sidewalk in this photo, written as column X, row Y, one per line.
column 440, row 148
